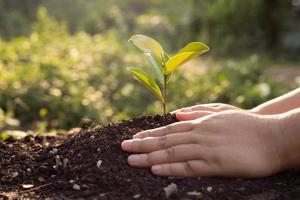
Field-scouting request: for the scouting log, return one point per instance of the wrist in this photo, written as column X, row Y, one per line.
column 289, row 129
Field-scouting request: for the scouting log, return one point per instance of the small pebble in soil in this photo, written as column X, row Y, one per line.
column 41, row 179
column 71, row 181
column 57, row 161
column 28, row 170
column 76, row 187
column 170, row 190
column 98, row 149
column 92, row 137
column 196, row 194
column 53, row 151
column 15, row 174
column 27, row 186
column 136, row 196
column 65, row 162
column 99, row 163
column 209, row 189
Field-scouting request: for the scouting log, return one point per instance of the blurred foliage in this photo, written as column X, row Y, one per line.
column 71, row 62
column 238, row 83
column 16, row 17
column 249, row 24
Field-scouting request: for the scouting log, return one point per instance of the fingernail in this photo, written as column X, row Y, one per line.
column 138, row 135
column 155, row 169
column 126, row 144
column 133, row 159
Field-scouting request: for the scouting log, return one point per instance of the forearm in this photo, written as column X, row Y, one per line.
column 290, row 131
column 280, row 104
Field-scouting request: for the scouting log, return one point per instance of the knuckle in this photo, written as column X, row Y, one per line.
column 191, row 125
column 188, row 168
column 195, row 124
column 167, row 129
column 141, row 135
column 150, row 159
column 170, row 154
column 146, row 133
column 162, row 141
column 136, row 144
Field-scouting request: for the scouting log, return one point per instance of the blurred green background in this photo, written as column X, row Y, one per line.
column 65, row 60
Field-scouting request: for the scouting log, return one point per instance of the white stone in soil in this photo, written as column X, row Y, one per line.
column 76, row 187
column 15, row 174
column 195, row 193
column 209, row 189
column 65, row 162
column 27, row 186
column 41, row 179
column 58, row 161
column 99, row 163
column 170, row 190
column 136, row 196
column 54, row 151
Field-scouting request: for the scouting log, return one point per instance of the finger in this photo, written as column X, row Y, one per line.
column 169, row 129
column 179, row 153
column 184, row 169
column 185, row 116
column 150, row 144
column 202, row 107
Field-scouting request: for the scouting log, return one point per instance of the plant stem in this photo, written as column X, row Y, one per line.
column 165, row 94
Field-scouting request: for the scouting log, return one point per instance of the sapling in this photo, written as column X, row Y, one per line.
column 162, row 65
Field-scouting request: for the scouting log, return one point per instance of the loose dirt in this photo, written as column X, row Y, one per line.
column 91, row 165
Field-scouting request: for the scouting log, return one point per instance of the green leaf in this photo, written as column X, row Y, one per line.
column 158, row 70
column 186, row 54
column 195, row 47
column 147, row 81
column 148, row 45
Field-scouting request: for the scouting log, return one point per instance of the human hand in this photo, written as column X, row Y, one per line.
column 197, row 111
column 229, row 143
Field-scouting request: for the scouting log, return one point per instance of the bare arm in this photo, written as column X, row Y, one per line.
column 280, row 104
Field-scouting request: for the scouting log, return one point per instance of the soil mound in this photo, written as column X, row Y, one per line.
column 91, row 165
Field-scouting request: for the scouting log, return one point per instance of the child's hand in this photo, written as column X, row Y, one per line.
column 194, row 112
column 229, row 143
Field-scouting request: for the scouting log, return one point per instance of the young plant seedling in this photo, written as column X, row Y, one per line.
column 162, row 65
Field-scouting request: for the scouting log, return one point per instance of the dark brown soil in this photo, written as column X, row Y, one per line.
column 65, row 167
